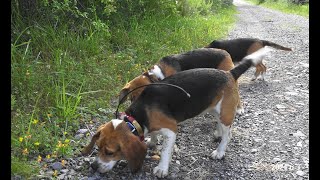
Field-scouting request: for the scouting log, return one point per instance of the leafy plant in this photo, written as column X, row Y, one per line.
column 66, row 105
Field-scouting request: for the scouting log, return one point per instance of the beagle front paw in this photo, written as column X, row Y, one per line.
column 160, row 172
column 217, row 154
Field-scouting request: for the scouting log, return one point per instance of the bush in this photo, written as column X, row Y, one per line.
column 201, row 7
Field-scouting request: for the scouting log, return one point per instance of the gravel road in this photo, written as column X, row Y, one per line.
column 270, row 140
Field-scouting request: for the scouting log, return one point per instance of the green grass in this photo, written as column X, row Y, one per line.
column 23, row 169
column 56, row 74
column 282, row 5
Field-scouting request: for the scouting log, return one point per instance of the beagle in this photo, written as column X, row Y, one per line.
column 240, row 47
column 160, row 108
column 169, row 65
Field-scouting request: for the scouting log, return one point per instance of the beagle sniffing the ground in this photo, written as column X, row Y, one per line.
column 169, row 65
column 159, row 109
column 241, row 47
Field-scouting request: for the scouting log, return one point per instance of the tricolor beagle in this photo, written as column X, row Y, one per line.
column 240, row 47
column 169, row 65
column 160, row 108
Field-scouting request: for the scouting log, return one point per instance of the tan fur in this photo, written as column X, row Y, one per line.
column 167, row 70
column 226, row 64
column 159, row 120
column 229, row 102
column 260, row 68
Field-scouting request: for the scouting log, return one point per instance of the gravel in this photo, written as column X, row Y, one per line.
column 270, row 140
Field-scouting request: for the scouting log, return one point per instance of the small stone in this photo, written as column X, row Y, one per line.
column 193, row 158
column 275, row 160
column 306, row 65
column 64, row 171
column 176, row 149
column 196, row 130
column 122, row 163
column 292, row 93
column 283, row 152
column 299, row 103
column 57, row 166
column 299, row 144
column 82, row 131
column 280, row 106
column 254, row 150
column 178, row 162
column 49, row 173
column 79, row 136
column 298, row 134
column 16, row 177
column 72, row 172
column 61, row 176
column 300, row 173
column 184, row 168
column 155, row 157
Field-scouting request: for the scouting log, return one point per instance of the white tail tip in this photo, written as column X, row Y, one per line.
column 258, row 56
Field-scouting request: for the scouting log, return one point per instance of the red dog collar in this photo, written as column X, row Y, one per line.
column 133, row 125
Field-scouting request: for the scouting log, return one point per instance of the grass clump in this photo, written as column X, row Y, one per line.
column 23, row 169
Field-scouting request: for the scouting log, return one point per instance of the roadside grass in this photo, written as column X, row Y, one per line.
column 57, row 75
column 23, row 169
column 284, row 6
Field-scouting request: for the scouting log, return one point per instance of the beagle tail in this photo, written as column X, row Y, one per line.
column 248, row 61
column 274, row 45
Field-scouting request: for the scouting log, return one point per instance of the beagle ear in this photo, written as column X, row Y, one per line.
column 134, row 152
column 123, row 94
column 87, row 149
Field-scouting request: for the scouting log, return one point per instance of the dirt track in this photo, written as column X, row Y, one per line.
column 271, row 139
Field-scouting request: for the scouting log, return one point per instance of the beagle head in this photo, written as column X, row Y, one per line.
column 141, row 80
column 115, row 142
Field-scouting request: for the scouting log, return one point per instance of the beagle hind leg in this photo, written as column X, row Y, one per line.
column 227, row 111
column 225, row 138
column 240, row 109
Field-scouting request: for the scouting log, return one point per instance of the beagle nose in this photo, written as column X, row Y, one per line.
column 94, row 165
